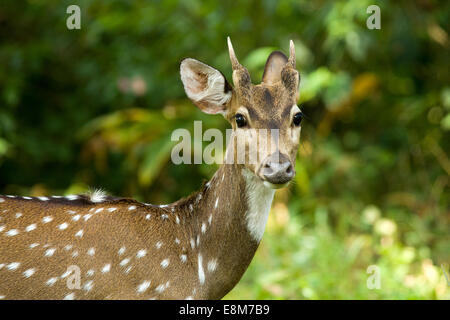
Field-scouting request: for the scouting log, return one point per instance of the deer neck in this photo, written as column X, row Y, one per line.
column 226, row 220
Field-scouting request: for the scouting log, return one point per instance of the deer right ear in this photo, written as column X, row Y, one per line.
column 205, row 86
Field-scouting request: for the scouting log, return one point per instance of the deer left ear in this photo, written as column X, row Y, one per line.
column 205, row 86
column 272, row 70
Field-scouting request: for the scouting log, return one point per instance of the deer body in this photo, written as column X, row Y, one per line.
column 196, row 248
column 99, row 247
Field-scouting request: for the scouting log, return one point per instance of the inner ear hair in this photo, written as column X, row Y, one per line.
column 205, row 86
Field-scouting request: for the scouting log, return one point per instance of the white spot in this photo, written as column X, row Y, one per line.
column 203, row 227
column 106, row 268
column 99, row 210
column 68, row 247
column 147, row 217
column 112, row 209
column 212, row 265
column 70, row 296
column 210, row 219
column 27, row 198
column 217, row 202
column 201, row 274
column 159, row 245
column 124, row 262
column 28, row 273
column 2, row 227
column 43, row 198
column 86, row 217
column 12, row 232
column 75, row 254
column 63, row 226
column 259, row 200
column 76, row 218
column 183, row 258
column 121, row 251
column 88, row 285
column 177, row 220
column 131, row 208
column 34, row 245
column 90, row 273
column 13, row 265
column 91, row 251
column 71, row 212
column 162, row 287
column 198, row 241
column 72, row 197
column 165, row 263
column 177, row 241
column 141, row 253
column 18, row 215
column 192, row 243
column 57, row 197
column 49, row 252
column 223, row 176
column 2, row 200
column 164, row 216
column 2, row 297
column 31, row 227
column 143, row 286
column 191, row 207
column 47, row 219
column 128, row 269
column 79, row 234
column 51, row 281
column 189, row 298
column 97, row 196
column 66, row 274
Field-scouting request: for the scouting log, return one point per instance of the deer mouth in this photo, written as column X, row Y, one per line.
column 271, row 185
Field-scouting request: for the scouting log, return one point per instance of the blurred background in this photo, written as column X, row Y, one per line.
column 95, row 108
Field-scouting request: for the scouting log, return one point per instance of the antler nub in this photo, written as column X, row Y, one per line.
column 234, row 61
column 291, row 60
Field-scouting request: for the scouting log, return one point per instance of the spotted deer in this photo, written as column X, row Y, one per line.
column 95, row 246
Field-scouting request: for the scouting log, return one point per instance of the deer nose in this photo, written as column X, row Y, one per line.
column 277, row 169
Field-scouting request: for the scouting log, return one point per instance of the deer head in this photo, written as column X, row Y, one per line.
column 261, row 114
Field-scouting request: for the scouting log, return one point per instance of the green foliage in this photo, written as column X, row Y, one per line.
column 97, row 106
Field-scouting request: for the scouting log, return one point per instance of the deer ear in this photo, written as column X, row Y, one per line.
column 274, row 65
column 205, row 86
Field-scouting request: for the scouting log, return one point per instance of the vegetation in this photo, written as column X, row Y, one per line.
column 96, row 107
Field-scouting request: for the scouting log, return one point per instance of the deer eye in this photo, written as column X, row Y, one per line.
column 240, row 120
column 297, row 119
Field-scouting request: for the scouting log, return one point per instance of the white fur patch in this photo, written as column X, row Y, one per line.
column 97, row 196
column 259, row 200
column 201, row 273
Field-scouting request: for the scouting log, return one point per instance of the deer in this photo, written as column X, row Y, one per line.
column 96, row 246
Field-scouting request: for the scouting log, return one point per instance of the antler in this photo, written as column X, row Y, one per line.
column 234, row 61
column 291, row 60
column 241, row 76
